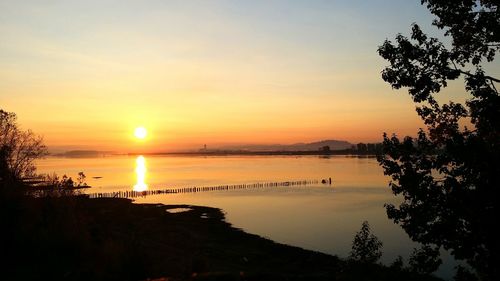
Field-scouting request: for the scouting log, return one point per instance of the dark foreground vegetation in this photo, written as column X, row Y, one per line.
column 76, row 238
column 448, row 175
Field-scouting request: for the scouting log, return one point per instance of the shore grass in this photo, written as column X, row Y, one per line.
column 76, row 238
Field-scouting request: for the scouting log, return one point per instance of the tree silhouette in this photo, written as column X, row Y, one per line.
column 398, row 263
column 448, row 175
column 366, row 247
column 81, row 179
column 425, row 260
column 18, row 149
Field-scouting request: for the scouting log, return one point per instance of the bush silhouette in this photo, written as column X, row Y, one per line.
column 366, row 247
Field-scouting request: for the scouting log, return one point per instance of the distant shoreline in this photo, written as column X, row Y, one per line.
column 220, row 153
column 95, row 154
column 324, row 147
column 257, row 153
column 347, row 152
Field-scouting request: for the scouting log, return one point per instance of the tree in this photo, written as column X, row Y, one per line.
column 448, row 175
column 81, row 179
column 325, row 149
column 366, row 247
column 18, row 149
column 362, row 147
column 425, row 260
column 398, row 263
column 463, row 274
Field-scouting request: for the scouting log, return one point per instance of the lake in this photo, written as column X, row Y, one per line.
column 318, row 217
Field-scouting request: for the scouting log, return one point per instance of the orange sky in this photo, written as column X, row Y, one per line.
column 84, row 75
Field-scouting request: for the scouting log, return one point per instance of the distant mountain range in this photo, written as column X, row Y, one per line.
column 312, row 146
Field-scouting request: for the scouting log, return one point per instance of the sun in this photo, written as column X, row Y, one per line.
column 140, row 132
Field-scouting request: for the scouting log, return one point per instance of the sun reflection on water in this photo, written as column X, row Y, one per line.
column 140, row 171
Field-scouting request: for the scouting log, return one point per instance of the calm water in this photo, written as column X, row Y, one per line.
column 316, row 217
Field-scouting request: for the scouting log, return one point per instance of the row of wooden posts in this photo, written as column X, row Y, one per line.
column 133, row 194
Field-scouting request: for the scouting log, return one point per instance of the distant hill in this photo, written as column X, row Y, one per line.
column 313, row 146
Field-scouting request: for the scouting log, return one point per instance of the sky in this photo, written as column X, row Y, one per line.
column 85, row 74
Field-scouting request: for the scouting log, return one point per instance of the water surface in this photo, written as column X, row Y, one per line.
column 318, row 217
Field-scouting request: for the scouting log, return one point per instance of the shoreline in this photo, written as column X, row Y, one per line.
column 346, row 153
column 260, row 153
column 76, row 238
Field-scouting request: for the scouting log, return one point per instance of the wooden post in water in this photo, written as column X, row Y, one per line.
column 194, row 189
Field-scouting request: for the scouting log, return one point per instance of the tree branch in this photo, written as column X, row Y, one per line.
column 486, row 76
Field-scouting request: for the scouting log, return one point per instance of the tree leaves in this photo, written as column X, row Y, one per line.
column 422, row 64
column 473, row 26
column 448, row 176
column 18, row 149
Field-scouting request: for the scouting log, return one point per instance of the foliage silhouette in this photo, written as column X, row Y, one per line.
column 425, row 260
column 366, row 247
column 18, row 149
column 81, row 179
column 449, row 174
column 398, row 263
column 464, row 274
column 51, row 185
